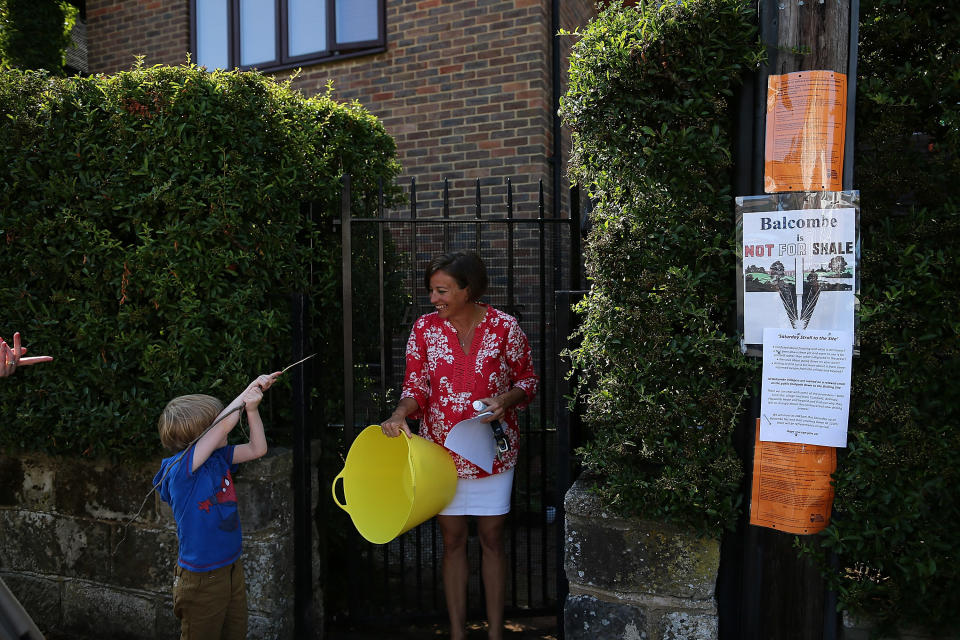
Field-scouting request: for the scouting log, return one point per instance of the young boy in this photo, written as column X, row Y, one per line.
column 209, row 594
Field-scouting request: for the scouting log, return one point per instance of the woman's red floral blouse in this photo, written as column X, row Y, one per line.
column 445, row 381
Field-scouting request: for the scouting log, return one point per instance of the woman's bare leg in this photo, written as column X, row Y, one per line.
column 455, row 572
column 494, row 570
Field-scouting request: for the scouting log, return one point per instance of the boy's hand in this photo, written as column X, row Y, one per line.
column 253, row 394
column 265, row 381
column 251, row 398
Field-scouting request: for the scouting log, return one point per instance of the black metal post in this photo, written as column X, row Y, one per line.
column 302, row 472
column 446, row 215
column 382, row 316
column 346, row 248
column 575, row 227
column 544, row 374
column 413, row 216
column 510, row 309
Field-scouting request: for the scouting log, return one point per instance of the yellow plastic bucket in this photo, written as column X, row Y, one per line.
column 391, row 485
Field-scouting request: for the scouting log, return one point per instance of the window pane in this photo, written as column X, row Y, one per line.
column 307, row 31
column 212, row 31
column 258, row 32
column 357, row 20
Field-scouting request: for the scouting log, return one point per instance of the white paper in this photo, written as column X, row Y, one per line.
column 473, row 440
column 806, row 386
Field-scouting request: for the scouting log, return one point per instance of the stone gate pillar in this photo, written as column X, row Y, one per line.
column 632, row 579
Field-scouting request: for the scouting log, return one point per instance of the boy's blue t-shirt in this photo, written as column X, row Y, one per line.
column 205, row 507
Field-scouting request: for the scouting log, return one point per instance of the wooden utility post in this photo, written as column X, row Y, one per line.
column 766, row 591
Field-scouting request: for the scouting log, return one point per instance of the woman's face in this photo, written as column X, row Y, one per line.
column 447, row 297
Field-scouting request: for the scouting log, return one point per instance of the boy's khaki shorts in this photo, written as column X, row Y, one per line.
column 211, row 604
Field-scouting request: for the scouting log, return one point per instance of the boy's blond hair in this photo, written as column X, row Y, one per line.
column 184, row 419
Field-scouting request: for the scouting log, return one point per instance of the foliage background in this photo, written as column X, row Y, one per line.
column 152, row 229
column 34, row 34
column 665, row 383
column 648, row 107
column 897, row 509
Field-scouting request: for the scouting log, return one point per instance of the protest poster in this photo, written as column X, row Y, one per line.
column 791, row 488
column 798, row 265
column 806, row 122
column 805, row 395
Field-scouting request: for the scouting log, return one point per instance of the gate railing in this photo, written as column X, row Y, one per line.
column 528, row 260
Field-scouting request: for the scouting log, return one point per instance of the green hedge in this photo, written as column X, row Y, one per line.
column 647, row 105
column 649, row 108
column 35, row 34
column 897, row 510
column 152, row 233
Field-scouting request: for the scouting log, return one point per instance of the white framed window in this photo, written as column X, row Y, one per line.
column 271, row 34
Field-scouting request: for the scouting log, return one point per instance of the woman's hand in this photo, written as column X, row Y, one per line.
column 397, row 421
column 10, row 358
column 498, row 405
column 393, row 425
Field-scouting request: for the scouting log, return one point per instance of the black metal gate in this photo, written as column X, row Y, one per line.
column 528, row 260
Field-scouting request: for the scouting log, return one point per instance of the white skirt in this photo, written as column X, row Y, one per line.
column 489, row 496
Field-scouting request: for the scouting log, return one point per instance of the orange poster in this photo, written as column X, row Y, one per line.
column 791, row 486
column 806, row 122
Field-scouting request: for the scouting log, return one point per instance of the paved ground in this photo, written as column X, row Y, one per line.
column 543, row 628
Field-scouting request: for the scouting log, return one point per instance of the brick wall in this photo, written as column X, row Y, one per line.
column 120, row 30
column 464, row 89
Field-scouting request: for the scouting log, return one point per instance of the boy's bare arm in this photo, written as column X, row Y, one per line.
column 216, row 437
column 257, row 446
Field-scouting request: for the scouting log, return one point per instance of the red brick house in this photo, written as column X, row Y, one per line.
column 466, row 87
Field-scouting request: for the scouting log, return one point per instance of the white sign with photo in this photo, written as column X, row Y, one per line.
column 799, row 270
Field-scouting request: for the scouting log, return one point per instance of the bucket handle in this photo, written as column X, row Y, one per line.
column 333, row 490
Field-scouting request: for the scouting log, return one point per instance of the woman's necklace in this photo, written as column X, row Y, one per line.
column 466, row 337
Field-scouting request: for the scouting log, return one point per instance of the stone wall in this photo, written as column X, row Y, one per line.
column 632, row 579
column 858, row 628
column 69, row 555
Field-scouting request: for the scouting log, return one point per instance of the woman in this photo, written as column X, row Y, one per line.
column 463, row 352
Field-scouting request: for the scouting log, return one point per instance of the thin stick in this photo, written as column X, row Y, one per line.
column 290, row 366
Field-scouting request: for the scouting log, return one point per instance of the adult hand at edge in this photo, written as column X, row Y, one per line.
column 11, row 358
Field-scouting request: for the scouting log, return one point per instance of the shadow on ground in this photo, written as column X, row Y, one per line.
column 541, row 628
